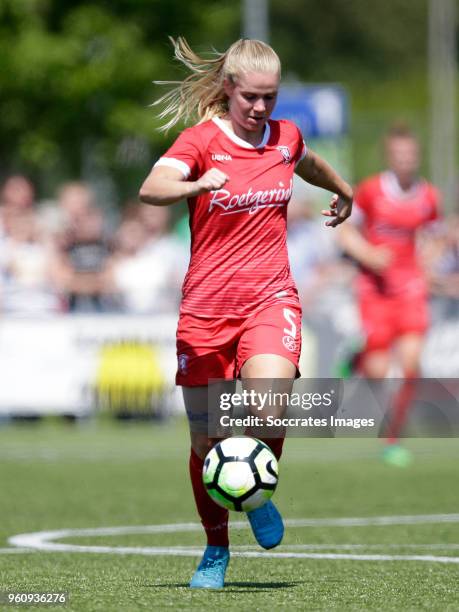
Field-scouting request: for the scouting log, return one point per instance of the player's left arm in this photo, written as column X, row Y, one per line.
column 315, row 170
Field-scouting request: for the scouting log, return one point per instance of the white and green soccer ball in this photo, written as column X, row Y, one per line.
column 240, row 473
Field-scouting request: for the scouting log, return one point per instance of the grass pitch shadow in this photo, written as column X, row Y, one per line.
column 234, row 587
column 243, row 587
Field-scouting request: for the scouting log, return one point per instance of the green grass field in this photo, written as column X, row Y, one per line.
column 56, row 476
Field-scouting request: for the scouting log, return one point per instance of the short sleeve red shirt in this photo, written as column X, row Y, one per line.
column 391, row 218
column 239, row 257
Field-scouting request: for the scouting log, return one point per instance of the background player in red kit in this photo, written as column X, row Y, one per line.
column 391, row 208
column 240, row 315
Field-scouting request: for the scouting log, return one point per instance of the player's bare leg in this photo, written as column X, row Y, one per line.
column 259, row 373
column 268, row 366
column 210, row 573
column 409, row 348
column 375, row 364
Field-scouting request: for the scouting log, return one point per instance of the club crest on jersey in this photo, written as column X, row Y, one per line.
column 183, row 363
column 289, row 343
column 286, row 155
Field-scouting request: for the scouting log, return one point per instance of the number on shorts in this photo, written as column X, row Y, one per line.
column 289, row 316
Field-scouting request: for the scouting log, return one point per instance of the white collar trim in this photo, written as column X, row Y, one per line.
column 391, row 187
column 239, row 141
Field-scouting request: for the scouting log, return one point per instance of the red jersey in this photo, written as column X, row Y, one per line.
column 390, row 218
column 239, row 257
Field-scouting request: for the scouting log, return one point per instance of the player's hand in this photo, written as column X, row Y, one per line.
column 378, row 259
column 340, row 209
column 211, row 180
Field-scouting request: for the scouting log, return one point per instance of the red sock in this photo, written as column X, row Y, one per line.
column 401, row 406
column 214, row 518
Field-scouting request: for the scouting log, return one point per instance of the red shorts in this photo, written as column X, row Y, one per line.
column 218, row 348
column 384, row 319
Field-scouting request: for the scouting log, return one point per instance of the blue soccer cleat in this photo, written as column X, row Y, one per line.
column 211, row 571
column 396, row 455
column 267, row 525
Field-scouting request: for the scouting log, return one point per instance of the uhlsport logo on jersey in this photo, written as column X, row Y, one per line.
column 221, row 157
column 286, row 155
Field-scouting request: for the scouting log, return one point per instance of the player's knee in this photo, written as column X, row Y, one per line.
column 410, row 365
column 411, row 371
column 375, row 364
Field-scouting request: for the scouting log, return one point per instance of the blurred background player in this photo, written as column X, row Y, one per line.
column 240, row 314
column 391, row 209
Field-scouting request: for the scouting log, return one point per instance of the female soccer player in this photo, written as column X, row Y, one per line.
column 391, row 208
column 240, row 315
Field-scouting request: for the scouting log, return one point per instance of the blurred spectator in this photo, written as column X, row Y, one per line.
column 147, row 268
column 17, row 194
column 314, row 257
column 74, row 200
column 323, row 278
column 84, row 250
column 28, row 268
column 440, row 253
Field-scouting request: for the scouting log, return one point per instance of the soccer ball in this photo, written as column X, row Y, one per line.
column 240, row 473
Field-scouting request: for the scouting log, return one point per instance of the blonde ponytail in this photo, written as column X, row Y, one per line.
column 201, row 94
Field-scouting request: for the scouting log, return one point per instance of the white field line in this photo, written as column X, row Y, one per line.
column 415, row 519
column 283, row 547
column 197, row 552
column 350, row 557
column 45, row 540
column 5, row 551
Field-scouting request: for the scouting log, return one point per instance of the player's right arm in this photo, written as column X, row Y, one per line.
column 375, row 258
column 352, row 239
column 167, row 185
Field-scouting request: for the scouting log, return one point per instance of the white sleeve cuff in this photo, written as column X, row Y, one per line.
column 174, row 163
column 303, row 153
